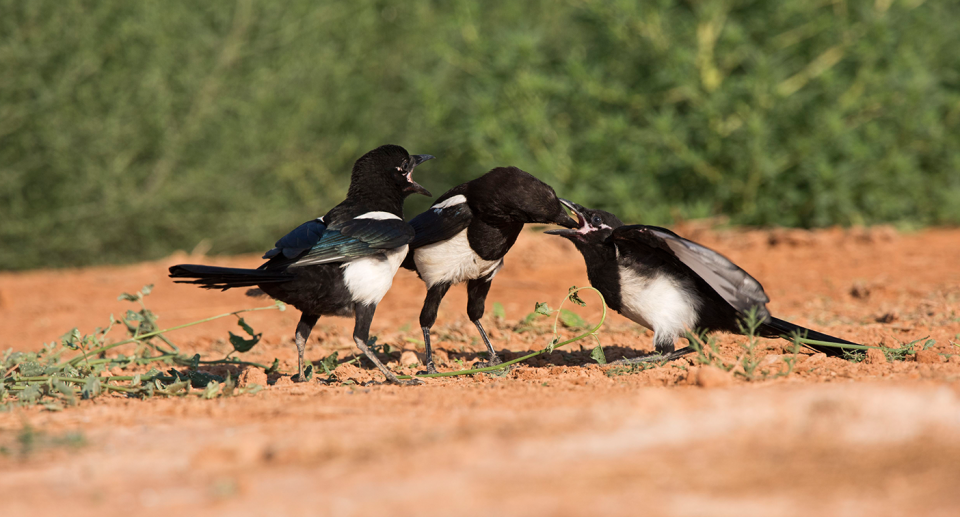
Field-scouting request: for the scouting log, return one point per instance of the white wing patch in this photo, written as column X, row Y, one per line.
column 377, row 215
column 369, row 278
column 664, row 304
column 459, row 199
column 452, row 261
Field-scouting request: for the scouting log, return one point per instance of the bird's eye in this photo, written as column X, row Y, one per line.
column 597, row 221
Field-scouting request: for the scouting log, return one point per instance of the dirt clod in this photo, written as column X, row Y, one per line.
column 252, row 376
column 928, row 357
column 713, row 377
column 408, row 358
column 875, row 356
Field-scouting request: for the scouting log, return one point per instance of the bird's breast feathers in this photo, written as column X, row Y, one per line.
column 660, row 302
column 369, row 278
column 452, row 261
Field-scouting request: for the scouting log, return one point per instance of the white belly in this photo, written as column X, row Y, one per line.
column 369, row 278
column 452, row 261
column 663, row 304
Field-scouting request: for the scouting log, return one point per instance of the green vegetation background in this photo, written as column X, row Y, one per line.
column 129, row 129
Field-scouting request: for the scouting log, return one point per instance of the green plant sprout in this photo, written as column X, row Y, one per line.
column 44, row 377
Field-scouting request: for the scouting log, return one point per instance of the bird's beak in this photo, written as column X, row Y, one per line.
column 579, row 224
column 415, row 187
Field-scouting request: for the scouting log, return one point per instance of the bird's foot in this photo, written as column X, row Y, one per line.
column 304, row 375
column 656, row 357
column 486, row 364
column 430, row 369
column 392, row 379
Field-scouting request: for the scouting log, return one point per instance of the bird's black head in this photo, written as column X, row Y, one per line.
column 593, row 226
column 386, row 171
column 511, row 195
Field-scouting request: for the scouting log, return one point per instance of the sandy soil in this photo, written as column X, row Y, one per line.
column 559, row 435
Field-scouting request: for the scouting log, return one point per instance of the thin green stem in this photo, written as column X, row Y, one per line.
column 76, row 360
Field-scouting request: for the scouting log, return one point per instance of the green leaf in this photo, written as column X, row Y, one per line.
column 597, row 355
column 211, row 391
column 229, row 386
column 552, row 344
column 574, row 296
column 91, row 388
column 543, row 308
column 246, row 328
column 274, row 368
column 571, row 319
column 71, row 339
column 128, row 297
column 498, row 311
column 251, row 389
column 147, row 289
column 31, row 369
column 308, row 372
column 30, row 395
column 281, row 306
column 329, row 363
column 243, row 345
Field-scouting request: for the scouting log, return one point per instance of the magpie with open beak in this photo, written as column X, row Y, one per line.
column 340, row 264
column 671, row 285
column 464, row 236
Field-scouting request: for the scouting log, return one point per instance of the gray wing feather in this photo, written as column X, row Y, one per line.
column 735, row 285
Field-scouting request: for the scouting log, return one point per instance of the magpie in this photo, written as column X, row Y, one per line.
column 670, row 285
column 464, row 236
column 342, row 263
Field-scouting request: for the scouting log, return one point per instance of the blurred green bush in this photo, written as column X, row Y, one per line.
column 131, row 129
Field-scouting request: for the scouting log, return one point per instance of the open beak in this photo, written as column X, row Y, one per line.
column 415, row 187
column 578, row 225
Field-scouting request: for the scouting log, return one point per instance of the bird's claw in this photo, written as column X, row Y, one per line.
column 430, row 369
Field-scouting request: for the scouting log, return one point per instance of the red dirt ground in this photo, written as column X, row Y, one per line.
column 559, row 435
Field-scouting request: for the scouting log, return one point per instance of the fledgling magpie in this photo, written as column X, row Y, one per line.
column 342, row 263
column 670, row 285
column 464, row 236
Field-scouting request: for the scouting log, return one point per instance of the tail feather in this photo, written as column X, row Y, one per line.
column 213, row 277
column 784, row 329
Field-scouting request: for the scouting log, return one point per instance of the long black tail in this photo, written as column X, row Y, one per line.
column 784, row 329
column 213, row 277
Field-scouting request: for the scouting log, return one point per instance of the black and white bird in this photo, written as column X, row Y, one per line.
column 464, row 236
column 671, row 285
column 340, row 264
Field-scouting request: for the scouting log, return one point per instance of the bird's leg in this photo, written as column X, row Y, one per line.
column 361, row 332
column 307, row 321
column 428, row 316
column 476, row 297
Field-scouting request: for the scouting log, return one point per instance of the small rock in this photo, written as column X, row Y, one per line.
column 928, row 357
column 815, row 358
column 252, row 376
column 860, row 291
column 888, row 317
column 408, row 358
column 875, row 356
column 713, row 377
